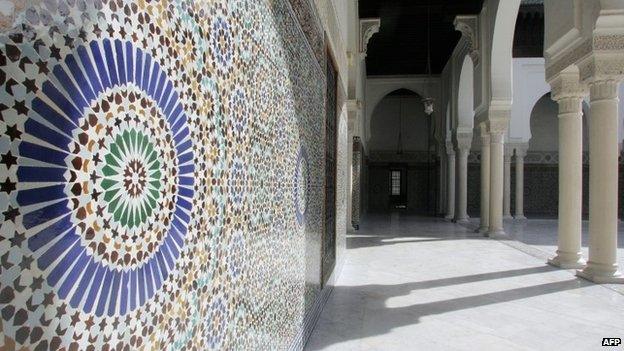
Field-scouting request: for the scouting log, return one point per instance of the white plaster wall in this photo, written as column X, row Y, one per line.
column 385, row 124
column 529, row 85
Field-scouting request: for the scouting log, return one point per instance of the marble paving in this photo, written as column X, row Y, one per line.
column 412, row 283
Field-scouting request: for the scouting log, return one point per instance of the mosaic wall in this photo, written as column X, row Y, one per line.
column 161, row 174
column 356, row 183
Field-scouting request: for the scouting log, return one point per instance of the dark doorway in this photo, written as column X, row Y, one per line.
column 329, row 235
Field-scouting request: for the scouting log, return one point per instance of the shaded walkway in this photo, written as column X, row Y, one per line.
column 417, row 283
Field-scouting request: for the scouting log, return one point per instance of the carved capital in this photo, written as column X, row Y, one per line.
column 354, row 105
column 605, row 89
column 368, row 28
column 463, row 139
column 567, row 84
column 450, row 150
column 521, row 151
column 468, row 25
column 497, row 127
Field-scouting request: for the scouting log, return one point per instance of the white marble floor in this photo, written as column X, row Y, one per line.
column 424, row 284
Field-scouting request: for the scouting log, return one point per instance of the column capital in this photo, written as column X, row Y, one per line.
column 463, row 139
column 521, row 151
column 605, row 88
column 497, row 127
column 354, row 105
column 450, row 150
column 508, row 152
column 567, row 84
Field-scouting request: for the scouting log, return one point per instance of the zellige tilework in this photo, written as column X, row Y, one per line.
column 161, row 174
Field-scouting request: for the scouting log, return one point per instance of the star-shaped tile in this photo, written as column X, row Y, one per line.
column 20, row 107
column 37, row 283
column 26, row 262
column 8, row 159
column 7, row 186
column 43, row 67
column 55, row 52
column 31, row 86
column 13, row 132
column 17, row 239
column 11, row 213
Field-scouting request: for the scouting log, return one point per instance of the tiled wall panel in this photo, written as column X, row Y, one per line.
column 161, row 175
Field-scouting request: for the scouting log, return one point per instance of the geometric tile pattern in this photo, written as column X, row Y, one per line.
column 161, row 174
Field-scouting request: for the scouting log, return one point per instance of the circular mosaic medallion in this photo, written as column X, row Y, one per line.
column 302, row 185
column 110, row 195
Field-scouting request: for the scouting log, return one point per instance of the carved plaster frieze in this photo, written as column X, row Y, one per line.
column 602, row 66
column 368, row 28
column 468, row 25
column 569, row 59
column 602, row 55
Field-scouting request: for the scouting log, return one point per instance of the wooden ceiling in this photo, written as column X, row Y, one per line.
column 400, row 47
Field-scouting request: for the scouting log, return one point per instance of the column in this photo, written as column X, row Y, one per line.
column 519, row 208
column 442, row 181
column 507, row 184
column 356, row 183
column 602, row 264
column 569, row 255
column 496, row 182
column 450, row 183
column 461, row 213
column 485, row 181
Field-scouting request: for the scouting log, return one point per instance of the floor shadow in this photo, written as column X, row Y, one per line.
column 375, row 318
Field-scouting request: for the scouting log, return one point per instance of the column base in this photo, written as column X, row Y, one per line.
column 482, row 230
column 498, row 234
column 462, row 220
column 507, row 217
column 449, row 217
column 601, row 274
column 520, row 218
column 567, row 260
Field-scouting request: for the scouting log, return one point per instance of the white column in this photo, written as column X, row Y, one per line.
column 450, row 184
column 507, row 184
column 442, row 182
column 519, row 210
column 485, row 181
column 496, row 183
column 461, row 213
column 602, row 266
column 569, row 253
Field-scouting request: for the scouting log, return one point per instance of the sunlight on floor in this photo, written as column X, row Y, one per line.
column 428, row 284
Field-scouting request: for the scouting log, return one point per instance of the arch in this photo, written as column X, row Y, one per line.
column 374, row 97
column 385, row 122
column 502, row 34
column 465, row 95
column 378, row 88
column 544, row 125
column 529, row 87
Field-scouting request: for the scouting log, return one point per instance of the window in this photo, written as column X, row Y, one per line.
column 395, row 183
